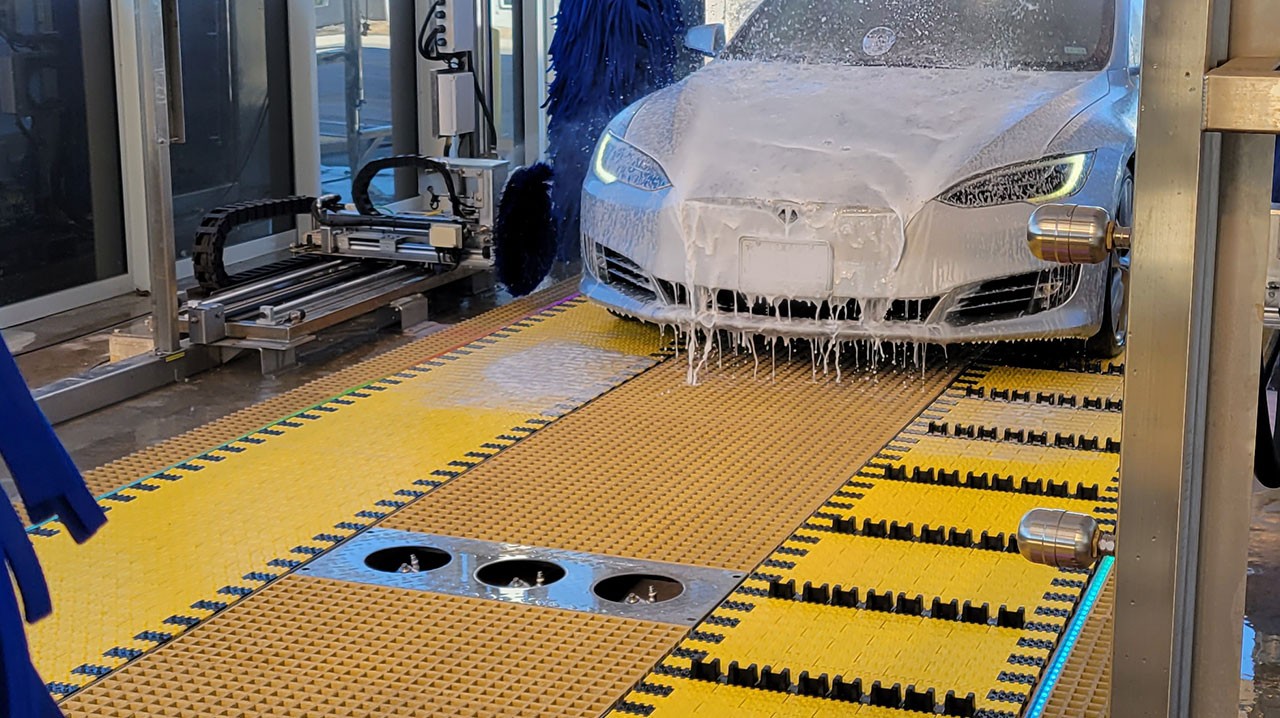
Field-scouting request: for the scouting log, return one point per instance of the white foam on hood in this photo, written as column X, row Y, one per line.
column 883, row 137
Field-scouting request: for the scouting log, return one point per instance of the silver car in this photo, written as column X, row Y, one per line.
column 865, row 169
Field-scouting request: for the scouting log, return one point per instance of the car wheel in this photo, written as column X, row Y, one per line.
column 1111, row 337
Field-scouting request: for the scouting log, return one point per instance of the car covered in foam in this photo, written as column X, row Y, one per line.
column 865, row 169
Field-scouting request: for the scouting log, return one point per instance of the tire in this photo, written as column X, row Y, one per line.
column 1110, row 340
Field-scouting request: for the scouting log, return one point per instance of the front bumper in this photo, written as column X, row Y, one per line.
column 1076, row 317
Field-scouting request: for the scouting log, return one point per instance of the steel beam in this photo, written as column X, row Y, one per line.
column 1199, row 268
column 1234, row 363
column 155, row 88
column 1242, row 96
column 1162, row 463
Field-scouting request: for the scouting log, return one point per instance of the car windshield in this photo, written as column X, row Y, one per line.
column 1056, row 35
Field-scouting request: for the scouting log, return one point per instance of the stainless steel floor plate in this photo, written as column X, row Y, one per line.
column 551, row 578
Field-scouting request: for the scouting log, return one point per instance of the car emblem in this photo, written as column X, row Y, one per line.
column 789, row 215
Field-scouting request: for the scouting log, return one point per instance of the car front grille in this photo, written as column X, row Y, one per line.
column 1013, row 297
column 725, row 300
column 624, row 275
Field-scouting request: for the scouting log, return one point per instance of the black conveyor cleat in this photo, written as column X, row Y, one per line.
column 882, row 602
column 922, row 701
column 843, row 690
column 785, row 590
column 953, row 705
column 815, row 594
column 819, row 687
column 748, row 677
column 771, row 680
column 1006, row 618
column 910, row 606
column 970, row 613
column 948, row 611
column 847, row 598
column 885, row 696
column 933, row 536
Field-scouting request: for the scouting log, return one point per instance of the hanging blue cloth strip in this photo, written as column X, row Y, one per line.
column 22, row 693
column 50, row 485
column 47, row 479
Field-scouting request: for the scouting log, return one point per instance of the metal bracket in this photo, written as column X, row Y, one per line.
column 1243, row 96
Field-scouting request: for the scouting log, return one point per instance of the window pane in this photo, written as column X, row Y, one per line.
column 61, row 219
column 506, row 97
column 236, row 89
column 353, row 67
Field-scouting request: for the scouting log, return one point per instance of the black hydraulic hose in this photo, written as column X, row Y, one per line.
column 364, row 178
column 1266, row 456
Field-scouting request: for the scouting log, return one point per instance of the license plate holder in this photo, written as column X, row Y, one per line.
column 786, row 268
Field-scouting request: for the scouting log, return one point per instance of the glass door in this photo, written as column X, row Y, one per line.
column 239, row 143
column 62, row 232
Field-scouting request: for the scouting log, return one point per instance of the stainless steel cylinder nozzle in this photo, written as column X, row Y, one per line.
column 1074, row 234
column 1062, row 539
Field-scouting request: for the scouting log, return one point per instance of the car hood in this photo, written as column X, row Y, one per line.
column 882, row 137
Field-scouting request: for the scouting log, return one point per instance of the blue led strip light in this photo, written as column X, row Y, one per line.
column 1069, row 640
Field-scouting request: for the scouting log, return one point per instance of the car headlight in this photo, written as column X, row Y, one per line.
column 1041, row 181
column 617, row 161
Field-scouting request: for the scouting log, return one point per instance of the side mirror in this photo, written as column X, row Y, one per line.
column 707, row 40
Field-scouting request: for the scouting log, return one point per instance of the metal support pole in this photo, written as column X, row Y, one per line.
column 518, row 96
column 533, row 72
column 1225, row 502
column 354, row 74
column 1199, row 269
column 404, row 93
column 484, row 68
column 1164, row 431
column 149, row 19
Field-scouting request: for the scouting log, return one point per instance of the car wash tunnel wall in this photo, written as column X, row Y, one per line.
column 533, row 513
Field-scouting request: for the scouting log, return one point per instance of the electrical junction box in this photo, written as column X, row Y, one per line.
column 457, row 22
column 455, row 103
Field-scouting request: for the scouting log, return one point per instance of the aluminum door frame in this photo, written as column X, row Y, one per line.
column 138, row 161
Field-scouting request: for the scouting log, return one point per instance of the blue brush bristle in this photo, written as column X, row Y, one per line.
column 524, row 244
column 605, row 55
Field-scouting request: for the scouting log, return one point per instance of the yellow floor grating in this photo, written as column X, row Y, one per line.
column 892, row 648
column 1055, row 420
column 713, row 475
column 1084, row 691
column 173, row 451
column 186, row 542
column 905, row 590
column 517, row 437
column 1095, row 469
column 310, row 647
column 1034, row 382
column 946, row 572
